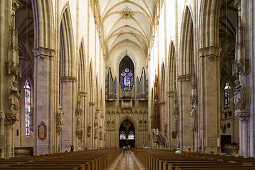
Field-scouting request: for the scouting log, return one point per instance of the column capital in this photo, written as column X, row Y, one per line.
column 184, row 77
column 69, row 78
column 210, row 52
column 242, row 115
column 43, row 52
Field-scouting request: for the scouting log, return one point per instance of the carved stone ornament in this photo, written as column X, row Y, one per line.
column 127, row 13
column 43, row 52
column 240, row 67
column 242, row 115
column 13, row 69
column 11, row 118
column 186, row 77
column 13, row 103
column 59, row 118
column 210, row 52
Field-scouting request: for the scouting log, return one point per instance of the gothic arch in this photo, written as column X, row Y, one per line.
column 186, row 58
column 163, row 82
column 209, row 23
column 81, row 67
column 43, row 23
column 172, row 67
column 67, row 43
column 123, row 118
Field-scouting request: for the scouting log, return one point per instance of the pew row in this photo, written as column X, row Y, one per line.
column 159, row 159
column 81, row 160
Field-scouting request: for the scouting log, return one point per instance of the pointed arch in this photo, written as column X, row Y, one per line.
column 43, row 24
column 209, row 23
column 172, row 67
column 81, row 67
column 186, row 44
column 66, row 43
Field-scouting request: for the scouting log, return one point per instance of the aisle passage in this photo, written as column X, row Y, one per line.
column 125, row 162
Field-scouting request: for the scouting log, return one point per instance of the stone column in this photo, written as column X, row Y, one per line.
column 209, row 103
column 2, row 135
column 13, row 72
column 240, row 70
column 243, row 117
column 43, row 98
column 185, row 132
column 68, row 108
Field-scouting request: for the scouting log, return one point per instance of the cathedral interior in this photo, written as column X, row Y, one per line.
column 158, row 74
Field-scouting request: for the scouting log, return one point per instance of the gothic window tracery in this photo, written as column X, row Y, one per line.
column 126, row 79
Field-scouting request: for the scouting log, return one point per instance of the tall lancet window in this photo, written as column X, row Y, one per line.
column 27, row 108
column 126, row 71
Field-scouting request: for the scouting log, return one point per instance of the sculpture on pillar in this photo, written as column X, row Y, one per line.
column 79, row 129
column 175, row 127
column 101, row 135
column 239, row 95
column 89, row 130
column 13, row 100
column 59, row 117
column 96, row 132
column 193, row 118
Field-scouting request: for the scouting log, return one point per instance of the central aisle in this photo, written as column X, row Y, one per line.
column 126, row 161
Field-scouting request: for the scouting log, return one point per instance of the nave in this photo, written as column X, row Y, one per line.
column 127, row 161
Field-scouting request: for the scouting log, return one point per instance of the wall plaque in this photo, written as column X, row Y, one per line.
column 42, row 131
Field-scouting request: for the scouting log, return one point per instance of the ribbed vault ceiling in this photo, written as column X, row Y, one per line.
column 123, row 20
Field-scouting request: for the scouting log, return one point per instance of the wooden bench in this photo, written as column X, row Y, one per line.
column 158, row 159
column 80, row 160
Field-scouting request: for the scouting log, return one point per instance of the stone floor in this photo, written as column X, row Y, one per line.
column 126, row 161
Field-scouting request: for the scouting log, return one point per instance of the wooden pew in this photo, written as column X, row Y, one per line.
column 157, row 159
column 80, row 160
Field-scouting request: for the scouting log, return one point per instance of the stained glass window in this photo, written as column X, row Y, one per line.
column 122, row 135
column 126, row 79
column 131, row 136
column 227, row 95
column 27, row 108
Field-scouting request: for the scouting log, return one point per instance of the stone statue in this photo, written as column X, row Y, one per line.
column 13, row 100
column 89, row 130
column 175, row 128
column 193, row 118
column 154, row 137
column 165, row 130
column 78, row 122
column 101, row 135
column 95, row 132
column 13, row 96
column 239, row 95
column 60, row 115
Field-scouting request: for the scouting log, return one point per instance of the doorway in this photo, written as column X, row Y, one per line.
column 127, row 134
